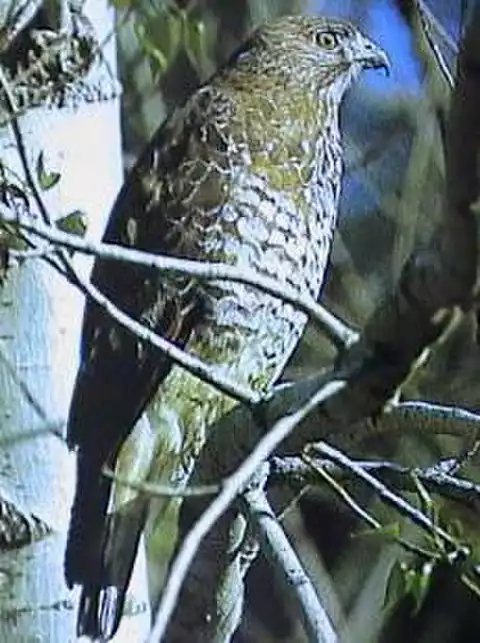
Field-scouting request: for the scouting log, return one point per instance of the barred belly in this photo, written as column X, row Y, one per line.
column 247, row 335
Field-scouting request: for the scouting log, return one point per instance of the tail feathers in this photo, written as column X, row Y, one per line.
column 101, row 552
column 99, row 612
column 101, row 605
column 87, row 523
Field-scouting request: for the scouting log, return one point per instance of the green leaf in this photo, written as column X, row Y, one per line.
column 195, row 41
column 120, row 4
column 420, row 583
column 405, row 580
column 15, row 193
column 396, row 587
column 46, row 180
column 10, row 239
column 75, row 223
column 160, row 38
column 390, row 531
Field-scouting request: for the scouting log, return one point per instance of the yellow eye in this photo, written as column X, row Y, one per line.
column 327, row 40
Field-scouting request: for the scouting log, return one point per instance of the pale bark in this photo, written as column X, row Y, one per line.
column 40, row 316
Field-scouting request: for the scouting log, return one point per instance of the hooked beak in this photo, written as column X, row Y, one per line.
column 368, row 54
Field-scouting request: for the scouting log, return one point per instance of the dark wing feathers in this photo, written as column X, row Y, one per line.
column 170, row 197
column 154, row 212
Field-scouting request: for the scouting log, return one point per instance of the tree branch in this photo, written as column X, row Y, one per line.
column 184, row 561
column 339, row 333
column 385, row 494
column 294, row 472
column 277, row 549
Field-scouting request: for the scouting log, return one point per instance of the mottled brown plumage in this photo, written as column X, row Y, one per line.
column 248, row 172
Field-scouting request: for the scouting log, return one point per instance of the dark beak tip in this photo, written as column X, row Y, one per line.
column 373, row 56
column 386, row 68
column 379, row 61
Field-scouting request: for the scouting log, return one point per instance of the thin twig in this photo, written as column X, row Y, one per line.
column 429, row 21
column 30, row 178
column 65, row 267
column 438, row 27
column 33, row 253
column 339, row 333
column 23, row 386
column 161, row 491
column 54, row 428
column 363, row 514
column 186, row 360
column 456, row 420
column 342, row 492
column 385, row 495
column 293, row 471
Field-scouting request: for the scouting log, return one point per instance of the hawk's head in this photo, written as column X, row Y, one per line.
column 318, row 52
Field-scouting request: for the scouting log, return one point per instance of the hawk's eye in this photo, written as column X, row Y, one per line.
column 327, row 40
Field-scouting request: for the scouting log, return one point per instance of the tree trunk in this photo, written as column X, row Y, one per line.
column 40, row 317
